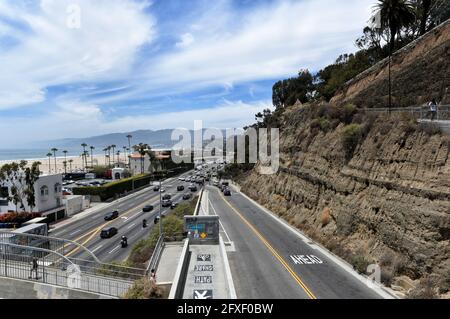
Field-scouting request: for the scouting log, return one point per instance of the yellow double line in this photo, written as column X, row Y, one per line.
column 273, row 251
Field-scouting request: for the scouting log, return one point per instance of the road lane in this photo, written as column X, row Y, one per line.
column 256, row 271
column 321, row 275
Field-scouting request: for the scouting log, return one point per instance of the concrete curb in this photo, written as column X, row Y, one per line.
column 174, row 290
column 231, row 289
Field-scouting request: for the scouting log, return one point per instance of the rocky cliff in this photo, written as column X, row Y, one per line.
column 420, row 72
column 372, row 188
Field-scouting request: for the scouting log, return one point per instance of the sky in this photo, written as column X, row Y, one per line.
column 80, row 68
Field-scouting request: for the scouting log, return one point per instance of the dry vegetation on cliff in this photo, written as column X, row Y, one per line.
column 371, row 188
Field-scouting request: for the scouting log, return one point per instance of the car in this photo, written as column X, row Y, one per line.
column 225, row 183
column 181, row 179
column 180, row 188
column 112, row 215
column 167, row 196
column 216, row 183
column 163, row 190
column 193, row 188
column 227, row 192
column 108, row 232
column 174, row 205
column 156, row 188
column 147, row 208
column 166, row 203
column 187, row 196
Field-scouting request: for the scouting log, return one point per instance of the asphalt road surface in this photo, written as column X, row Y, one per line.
column 272, row 262
column 86, row 231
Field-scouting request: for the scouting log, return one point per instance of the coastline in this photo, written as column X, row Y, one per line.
column 77, row 163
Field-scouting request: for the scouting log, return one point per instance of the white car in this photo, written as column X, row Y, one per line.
column 162, row 190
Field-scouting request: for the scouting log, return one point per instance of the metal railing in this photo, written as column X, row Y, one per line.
column 197, row 207
column 55, row 269
column 156, row 256
column 17, row 252
column 418, row 112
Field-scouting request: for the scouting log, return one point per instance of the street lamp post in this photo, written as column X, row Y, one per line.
column 160, row 209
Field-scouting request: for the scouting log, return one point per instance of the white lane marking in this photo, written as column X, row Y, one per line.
column 75, row 232
column 220, row 223
column 114, row 250
column 332, row 257
column 131, row 226
column 94, row 250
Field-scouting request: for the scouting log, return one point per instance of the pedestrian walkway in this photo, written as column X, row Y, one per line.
column 167, row 266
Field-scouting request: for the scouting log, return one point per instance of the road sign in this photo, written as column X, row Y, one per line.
column 203, row 294
column 204, row 257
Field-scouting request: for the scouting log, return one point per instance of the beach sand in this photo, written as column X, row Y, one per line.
column 77, row 163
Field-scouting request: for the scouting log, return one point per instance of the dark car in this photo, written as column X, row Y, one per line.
column 166, row 203
column 147, row 208
column 227, row 192
column 187, row 196
column 156, row 188
column 108, row 232
column 167, row 196
column 193, row 188
column 180, row 188
column 112, row 215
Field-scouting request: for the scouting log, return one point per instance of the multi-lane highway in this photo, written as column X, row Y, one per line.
column 86, row 231
column 275, row 262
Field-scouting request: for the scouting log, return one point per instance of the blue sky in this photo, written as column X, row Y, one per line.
column 77, row 68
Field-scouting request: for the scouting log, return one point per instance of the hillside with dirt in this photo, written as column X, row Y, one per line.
column 372, row 188
column 420, row 71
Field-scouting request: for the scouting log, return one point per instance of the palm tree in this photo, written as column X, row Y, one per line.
column 129, row 137
column 125, row 153
column 109, row 156
column 70, row 164
column 113, row 149
column 118, row 156
column 142, row 149
column 84, row 145
column 49, row 155
column 92, row 156
column 395, row 15
column 54, row 150
column 106, row 153
column 65, row 160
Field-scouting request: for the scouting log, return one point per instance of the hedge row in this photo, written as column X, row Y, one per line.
column 117, row 188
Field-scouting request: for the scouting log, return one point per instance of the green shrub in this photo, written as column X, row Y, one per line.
column 322, row 124
column 360, row 263
column 351, row 137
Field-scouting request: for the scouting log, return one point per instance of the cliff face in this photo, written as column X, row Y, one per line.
column 420, row 72
column 389, row 202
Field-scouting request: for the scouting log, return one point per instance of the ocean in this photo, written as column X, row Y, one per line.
column 27, row 154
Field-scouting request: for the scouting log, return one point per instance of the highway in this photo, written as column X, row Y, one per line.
column 272, row 262
column 86, row 231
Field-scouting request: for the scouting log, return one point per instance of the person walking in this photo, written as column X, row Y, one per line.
column 34, row 268
column 433, row 109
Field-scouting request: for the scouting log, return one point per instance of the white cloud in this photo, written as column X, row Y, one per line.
column 185, row 40
column 52, row 54
column 268, row 42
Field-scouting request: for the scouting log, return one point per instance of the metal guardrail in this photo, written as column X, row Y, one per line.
column 156, row 256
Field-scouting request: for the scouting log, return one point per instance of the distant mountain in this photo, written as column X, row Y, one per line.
column 160, row 139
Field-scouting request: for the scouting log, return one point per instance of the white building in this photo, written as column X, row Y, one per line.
column 48, row 193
